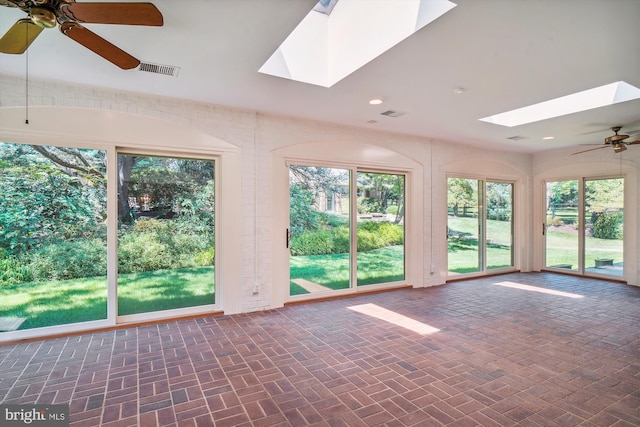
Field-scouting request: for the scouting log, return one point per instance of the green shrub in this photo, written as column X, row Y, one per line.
column 67, row 260
column 205, row 258
column 138, row 252
column 341, row 240
column 392, row 210
column 555, row 221
column 147, row 225
column 608, row 226
column 317, row 242
column 371, row 235
column 11, row 270
column 368, row 240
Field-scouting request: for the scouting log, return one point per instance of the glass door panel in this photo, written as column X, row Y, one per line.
column 499, row 229
column 562, row 225
column 380, row 228
column 464, row 225
column 603, row 217
column 53, row 236
column 319, row 229
column 166, row 236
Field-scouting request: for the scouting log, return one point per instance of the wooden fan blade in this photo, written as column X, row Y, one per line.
column 19, row 37
column 590, row 149
column 634, row 141
column 114, row 13
column 97, row 44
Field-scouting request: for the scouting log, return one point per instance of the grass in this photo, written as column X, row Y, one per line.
column 562, row 247
column 375, row 266
column 79, row 300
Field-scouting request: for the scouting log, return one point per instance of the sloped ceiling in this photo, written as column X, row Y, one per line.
column 504, row 54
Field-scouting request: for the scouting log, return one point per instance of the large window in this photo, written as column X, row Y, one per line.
column 53, row 237
column 325, row 252
column 479, row 225
column 584, row 226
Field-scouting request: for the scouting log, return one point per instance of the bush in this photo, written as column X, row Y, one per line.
column 147, row 225
column 67, row 260
column 138, row 252
column 608, row 226
column 371, row 235
column 11, row 270
column 555, row 222
column 317, row 242
column 205, row 258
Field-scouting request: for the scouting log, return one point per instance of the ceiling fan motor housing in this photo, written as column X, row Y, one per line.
column 43, row 17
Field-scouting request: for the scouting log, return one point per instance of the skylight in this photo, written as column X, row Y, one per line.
column 610, row 94
column 330, row 44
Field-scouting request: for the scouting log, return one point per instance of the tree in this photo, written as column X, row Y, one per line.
column 43, row 202
column 499, row 196
column 604, row 200
column 462, row 192
column 379, row 190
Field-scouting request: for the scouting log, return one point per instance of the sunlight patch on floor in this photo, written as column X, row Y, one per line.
column 381, row 313
column 538, row 289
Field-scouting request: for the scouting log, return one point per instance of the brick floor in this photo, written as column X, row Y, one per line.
column 503, row 356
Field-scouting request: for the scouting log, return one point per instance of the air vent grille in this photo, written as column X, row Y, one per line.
column 166, row 70
column 392, row 113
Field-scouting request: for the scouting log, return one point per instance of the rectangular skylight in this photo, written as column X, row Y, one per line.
column 602, row 96
column 328, row 45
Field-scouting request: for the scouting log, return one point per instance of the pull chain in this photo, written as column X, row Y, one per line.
column 26, row 96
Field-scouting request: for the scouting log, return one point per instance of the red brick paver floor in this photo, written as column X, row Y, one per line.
column 503, row 356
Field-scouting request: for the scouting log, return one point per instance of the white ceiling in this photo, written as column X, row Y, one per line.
column 505, row 54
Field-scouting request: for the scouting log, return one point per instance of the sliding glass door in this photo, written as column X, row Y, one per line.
column 603, row 220
column 166, row 238
column 584, row 226
column 562, row 225
column 346, row 229
column 380, row 228
column 319, row 235
column 479, row 225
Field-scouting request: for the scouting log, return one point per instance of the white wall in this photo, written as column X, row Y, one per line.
column 250, row 144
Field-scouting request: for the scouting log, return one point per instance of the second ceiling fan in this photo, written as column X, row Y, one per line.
column 70, row 16
column 618, row 142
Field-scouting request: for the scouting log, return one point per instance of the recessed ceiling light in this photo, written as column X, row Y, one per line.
column 548, row 137
column 376, row 101
column 601, row 96
column 458, row 90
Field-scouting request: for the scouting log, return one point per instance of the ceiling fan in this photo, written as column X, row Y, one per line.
column 616, row 141
column 70, row 16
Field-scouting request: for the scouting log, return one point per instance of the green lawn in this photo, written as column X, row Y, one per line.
column 375, row 266
column 561, row 246
column 80, row 300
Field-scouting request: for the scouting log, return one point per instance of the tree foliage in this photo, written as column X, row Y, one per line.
column 462, row 193
column 53, row 211
column 42, row 202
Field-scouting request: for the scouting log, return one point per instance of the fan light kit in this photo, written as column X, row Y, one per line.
column 70, row 16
